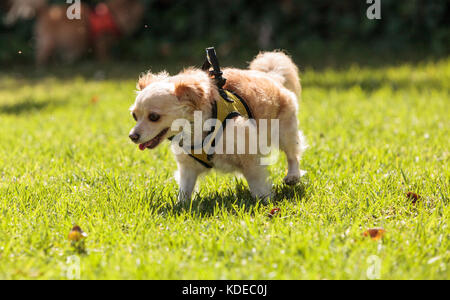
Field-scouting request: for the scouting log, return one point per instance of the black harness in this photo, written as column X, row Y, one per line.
column 229, row 106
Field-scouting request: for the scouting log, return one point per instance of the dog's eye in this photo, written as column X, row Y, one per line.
column 153, row 117
column 134, row 117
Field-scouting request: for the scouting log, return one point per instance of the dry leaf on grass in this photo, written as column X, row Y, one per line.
column 413, row 197
column 274, row 212
column 375, row 233
column 76, row 234
column 94, row 99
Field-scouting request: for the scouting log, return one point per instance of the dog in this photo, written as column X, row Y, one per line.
column 269, row 87
column 97, row 27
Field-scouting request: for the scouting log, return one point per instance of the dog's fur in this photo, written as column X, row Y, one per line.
column 270, row 87
column 55, row 33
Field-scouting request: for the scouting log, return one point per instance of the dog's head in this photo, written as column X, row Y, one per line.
column 162, row 99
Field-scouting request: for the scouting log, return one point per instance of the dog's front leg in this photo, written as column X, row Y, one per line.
column 187, row 185
column 187, row 179
column 258, row 182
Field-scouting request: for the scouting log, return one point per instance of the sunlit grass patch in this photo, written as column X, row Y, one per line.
column 375, row 134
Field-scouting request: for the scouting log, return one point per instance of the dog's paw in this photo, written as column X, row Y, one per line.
column 266, row 198
column 291, row 179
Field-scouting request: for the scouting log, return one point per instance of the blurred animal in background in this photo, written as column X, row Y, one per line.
column 98, row 27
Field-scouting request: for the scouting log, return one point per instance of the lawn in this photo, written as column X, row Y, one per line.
column 375, row 134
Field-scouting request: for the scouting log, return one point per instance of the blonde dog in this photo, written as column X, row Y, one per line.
column 98, row 27
column 269, row 87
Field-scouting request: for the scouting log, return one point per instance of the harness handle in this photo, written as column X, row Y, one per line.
column 211, row 60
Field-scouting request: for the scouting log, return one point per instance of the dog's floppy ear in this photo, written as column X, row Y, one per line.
column 189, row 90
column 147, row 78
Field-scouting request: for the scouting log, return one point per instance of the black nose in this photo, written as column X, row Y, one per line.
column 134, row 137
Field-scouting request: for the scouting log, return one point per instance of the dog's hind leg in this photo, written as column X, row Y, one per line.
column 293, row 143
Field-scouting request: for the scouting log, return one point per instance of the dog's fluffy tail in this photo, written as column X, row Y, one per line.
column 280, row 66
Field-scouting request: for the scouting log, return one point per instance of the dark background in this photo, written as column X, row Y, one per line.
column 323, row 32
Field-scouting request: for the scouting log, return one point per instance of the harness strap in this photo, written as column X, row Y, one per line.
column 230, row 105
column 212, row 61
column 224, row 109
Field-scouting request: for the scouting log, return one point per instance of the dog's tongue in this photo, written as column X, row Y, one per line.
column 153, row 142
column 150, row 144
column 145, row 145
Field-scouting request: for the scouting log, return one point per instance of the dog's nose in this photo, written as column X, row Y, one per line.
column 134, row 137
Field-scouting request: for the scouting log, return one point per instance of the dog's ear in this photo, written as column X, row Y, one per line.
column 189, row 90
column 147, row 78
column 144, row 80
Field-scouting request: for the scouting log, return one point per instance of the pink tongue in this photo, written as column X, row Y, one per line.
column 142, row 147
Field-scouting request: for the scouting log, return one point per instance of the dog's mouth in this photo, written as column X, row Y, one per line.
column 154, row 141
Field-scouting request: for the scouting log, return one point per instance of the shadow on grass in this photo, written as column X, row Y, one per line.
column 27, row 106
column 339, row 58
column 234, row 200
column 94, row 71
column 371, row 85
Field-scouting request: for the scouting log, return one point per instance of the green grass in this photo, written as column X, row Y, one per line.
column 374, row 133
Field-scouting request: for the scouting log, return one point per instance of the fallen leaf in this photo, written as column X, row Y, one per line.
column 94, row 99
column 375, row 233
column 413, row 196
column 76, row 234
column 274, row 212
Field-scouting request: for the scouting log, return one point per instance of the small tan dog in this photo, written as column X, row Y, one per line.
column 269, row 88
column 98, row 27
